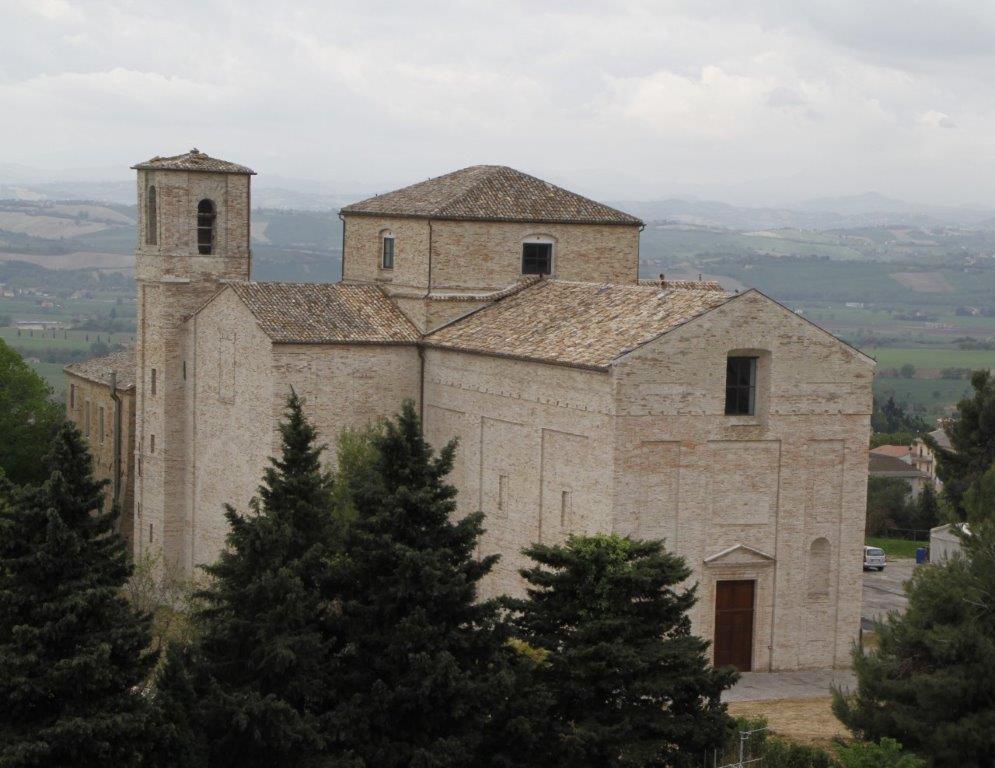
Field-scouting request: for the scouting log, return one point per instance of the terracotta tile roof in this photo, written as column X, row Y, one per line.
column 897, row 451
column 491, row 193
column 98, row 369
column 326, row 313
column 879, row 465
column 523, row 282
column 194, row 160
column 582, row 324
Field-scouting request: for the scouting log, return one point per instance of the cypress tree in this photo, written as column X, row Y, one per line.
column 424, row 666
column 73, row 652
column 630, row 685
column 262, row 662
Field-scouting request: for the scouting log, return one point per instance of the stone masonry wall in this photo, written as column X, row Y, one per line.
column 363, row 251
column 345, row 386
column 242, row 382
column 471, row 255
column 84, row 395
column 479, row 255
column 173, row 282
column 534, row 448
column 234, row 422
column 778, row 482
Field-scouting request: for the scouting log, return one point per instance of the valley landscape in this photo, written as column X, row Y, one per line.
column 912, row 286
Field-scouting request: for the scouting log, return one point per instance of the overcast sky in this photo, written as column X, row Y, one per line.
column 749, row 101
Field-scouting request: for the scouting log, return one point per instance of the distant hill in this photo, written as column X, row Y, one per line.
column 287, row 245
column 867, row 210
column 264, row 195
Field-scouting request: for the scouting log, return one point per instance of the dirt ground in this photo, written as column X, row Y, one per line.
column 809, row 721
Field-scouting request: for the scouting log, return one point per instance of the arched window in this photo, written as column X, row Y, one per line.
column 386, row 249
column 151, row 218
column 205, row 226
column 818, row 568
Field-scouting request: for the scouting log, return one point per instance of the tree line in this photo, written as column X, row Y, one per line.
column 343, row 626
column 931, row 682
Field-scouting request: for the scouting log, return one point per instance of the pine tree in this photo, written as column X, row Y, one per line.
column 267, row 627
column 972, row 436
column 424, row 665
column 631, row 685
column 930, row 683
column 72, row 650
column 29, row 419
column 979, row 499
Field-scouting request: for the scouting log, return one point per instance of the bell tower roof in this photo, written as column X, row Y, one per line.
column 194, row 160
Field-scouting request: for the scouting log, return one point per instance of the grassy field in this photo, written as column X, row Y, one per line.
column 34, row 344
column 808, row 721
column 27, row 309
column 896, row 547
column 883, row 320
column 933, row 396
column 932, row 358
column 39, row 341
column 801, row 279
column 53, row 375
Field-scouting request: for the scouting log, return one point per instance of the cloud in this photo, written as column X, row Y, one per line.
column 711, row 103
column 782, row 98
column 53, row 10
column 934, row 119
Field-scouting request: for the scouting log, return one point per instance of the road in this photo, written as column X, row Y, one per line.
column 883, row 591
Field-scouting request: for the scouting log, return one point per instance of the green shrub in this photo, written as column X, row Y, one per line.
column 886, row 754
column 785, row 754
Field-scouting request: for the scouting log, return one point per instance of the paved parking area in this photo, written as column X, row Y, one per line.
column 771, row 686
column 883, row 591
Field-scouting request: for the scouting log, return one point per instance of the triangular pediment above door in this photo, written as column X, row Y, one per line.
column 739, row 554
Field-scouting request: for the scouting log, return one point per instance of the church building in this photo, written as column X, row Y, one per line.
column 585, row 400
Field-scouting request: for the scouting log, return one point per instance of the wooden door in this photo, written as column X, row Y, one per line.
column 734, row 624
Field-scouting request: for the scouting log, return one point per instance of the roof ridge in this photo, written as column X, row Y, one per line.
column 497, row 193
column 491, row 169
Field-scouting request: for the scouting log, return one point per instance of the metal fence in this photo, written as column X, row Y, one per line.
column 746, row 751
column 907, row 533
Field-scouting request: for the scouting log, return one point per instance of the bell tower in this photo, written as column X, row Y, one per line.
column 193, row 236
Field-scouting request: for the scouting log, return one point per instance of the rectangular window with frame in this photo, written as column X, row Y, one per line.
column 100, row 423
column 86, row 419
column 153, row 382
column 387, row 258
column 741, row 386
column 537, row 258
column 564, row 508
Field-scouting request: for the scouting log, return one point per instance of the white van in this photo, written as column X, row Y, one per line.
column 874, row 559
